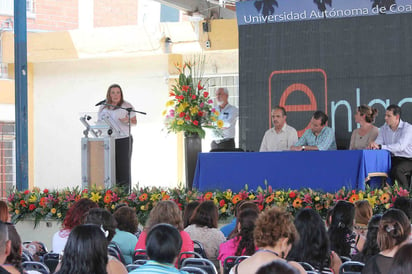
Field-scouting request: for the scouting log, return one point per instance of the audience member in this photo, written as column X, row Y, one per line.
column 203, row 228
column 187, row 214
column 277, row 266
column 274, row 235
column 370, row 248
column 281, row 136
column 243, row 243
column 318, row 137
column 363, row 213
column 404, row 204
column 313, row 245
column 402, row 262
column 14, row 259
column 85, row 251
column 396, row 137
column 244, row 206
column 227, row 229
column 4, row 212
column 166, row 212
column 367, row 132
column 75, row 216
column 394, row 230
column 5, row 246
column 228, row 114
column 343, row 238
column 125, row 232
column 163, row 246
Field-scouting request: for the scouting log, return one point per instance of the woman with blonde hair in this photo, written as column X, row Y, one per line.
column 367, row 132
column 363, row 213
column 274, row 235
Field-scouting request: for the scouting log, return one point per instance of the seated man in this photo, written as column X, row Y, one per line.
column 318, row 137
column 163, row 244
column 396, row 136
column 281, row 136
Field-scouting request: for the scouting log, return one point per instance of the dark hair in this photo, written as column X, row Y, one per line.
column 4, row 236
column 14, row 257
column 280, row 108
column 368, row 112
column 206, row 214
column 126, row 219
column 85, row 251
column 247, row 220
column 243, row 206
column 187, row 214
column 313, row 245
column 404, row 204
column 277, row 266
column 394, row 228
column 76, row 213
column 395, row 109
column 370, row 248
column 163, row 243
column 320, row 115
column 102, row 217
column 109, row 99
column 402, row 263
column 340, row 231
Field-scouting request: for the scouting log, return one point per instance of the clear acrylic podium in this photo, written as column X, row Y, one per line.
column 98, row 152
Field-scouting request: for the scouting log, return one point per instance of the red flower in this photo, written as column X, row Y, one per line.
column 193, row 97
column 45, row 191
column 292, row 194
column 181, row 114
column 195, row 122
column 187, row 118
column 199, row 86
column 200, row 113
column 85, row 190
column 222, row 203
column 185, row 88
column 32, row 207
column 23, row 203
column 205, row 94
column 107, row 198
column 26, row 192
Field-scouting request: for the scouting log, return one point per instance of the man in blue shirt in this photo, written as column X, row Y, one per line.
column 318, row 137
column 396, row 136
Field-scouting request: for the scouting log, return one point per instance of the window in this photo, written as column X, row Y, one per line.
column 7, row 7
column 7, row 157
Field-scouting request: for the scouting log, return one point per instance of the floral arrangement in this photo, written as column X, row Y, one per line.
column 46, row 204
column 190, row 108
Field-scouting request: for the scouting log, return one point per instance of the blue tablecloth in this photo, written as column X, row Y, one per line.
column 319, row 170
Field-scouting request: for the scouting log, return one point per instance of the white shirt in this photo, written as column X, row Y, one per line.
column 121, row 129
column 229, row 116
column 273, row 141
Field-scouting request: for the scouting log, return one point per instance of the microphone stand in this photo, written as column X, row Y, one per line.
column 129, row 156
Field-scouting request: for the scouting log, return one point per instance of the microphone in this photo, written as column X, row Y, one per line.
column 101, row 102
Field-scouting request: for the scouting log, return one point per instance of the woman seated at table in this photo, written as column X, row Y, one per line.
column 367, row 133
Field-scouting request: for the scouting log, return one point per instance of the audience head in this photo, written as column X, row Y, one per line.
column 402, row 261
column 313, row 245
column 370, row 248
column 76, row 213
column 369, row 113
column 404, row 204
column 4, row 212
column 275, row 227
column 318, row 121
column 205, row 214
column 240, row 206
column 85, row 251
column 277, row 266
column 14, row 257
column 163, row 243
column 104, row 219
column 246, row 224
column 363, row 212
column 190, row 207
column 394, row 229
column 340, row 229
column 5, row 244
column 126, row 219
column 165, row 212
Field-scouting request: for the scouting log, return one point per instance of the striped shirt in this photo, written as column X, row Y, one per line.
column 324, row 141
column 157, row 268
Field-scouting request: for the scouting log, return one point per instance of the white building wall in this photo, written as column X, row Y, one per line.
column 64, row 90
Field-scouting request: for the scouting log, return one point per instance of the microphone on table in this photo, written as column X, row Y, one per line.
column 101, row 102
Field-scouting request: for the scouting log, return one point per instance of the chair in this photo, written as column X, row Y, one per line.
column 140, row 261
column 345, row 259
column 37, row 266
column 42, row 245
column 193, row 270
column 202, row 263
column 307, row 266
column 180, row 259
column 351, row 267
column 131, row 267
column 140, row 254
column 51, row 260
column 239, row 259
column 114, row 250
column 228, row 263
column 26, row 256
column 198, row 247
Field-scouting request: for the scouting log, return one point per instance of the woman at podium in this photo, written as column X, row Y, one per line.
column 119, row 114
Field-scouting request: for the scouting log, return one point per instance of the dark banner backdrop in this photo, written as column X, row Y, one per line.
column 329, row 64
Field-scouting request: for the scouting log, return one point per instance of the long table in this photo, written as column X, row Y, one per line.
column 319, row 170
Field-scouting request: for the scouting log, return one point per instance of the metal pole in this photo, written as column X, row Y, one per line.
column 20, row 70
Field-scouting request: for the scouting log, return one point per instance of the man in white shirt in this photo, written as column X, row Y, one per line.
column 281, row 136
column 228, row 114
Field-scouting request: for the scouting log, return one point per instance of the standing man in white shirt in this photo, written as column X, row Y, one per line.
column 396, row 136
column 281, row 136
column 228, row 114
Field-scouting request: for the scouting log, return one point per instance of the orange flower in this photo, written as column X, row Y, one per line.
column 143, row 197
column 297, row 203
column 107, row 198
column 385, row 198
column 236, row 199
column 269, row 199
column 318, row 207
column 353, row 198
column 165, row 197
column 43, row 201
column 208, row 195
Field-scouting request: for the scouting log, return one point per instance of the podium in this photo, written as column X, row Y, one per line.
column 98, row 152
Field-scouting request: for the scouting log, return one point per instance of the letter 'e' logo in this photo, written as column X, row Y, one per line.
column 301, row 92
